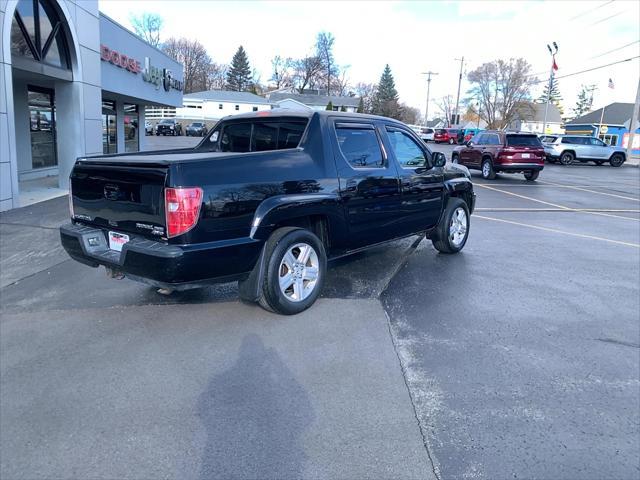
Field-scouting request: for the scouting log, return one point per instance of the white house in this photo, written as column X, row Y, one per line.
column 310, row 101
column 530, row 118
column 215, row 104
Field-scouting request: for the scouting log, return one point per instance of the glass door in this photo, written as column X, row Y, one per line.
column 42, row 114
column 108, row 126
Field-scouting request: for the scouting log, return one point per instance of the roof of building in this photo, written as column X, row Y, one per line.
column 435, row 122
column 614, row 114
column 227, row 96
column 534, row 112
column 316, row 100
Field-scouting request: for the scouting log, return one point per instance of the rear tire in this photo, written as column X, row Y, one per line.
column 487, row 170
column 453, row 230
column 454, row 158
column 291, row 283
column 616, row 160
column 531, row 175
column 567, row 158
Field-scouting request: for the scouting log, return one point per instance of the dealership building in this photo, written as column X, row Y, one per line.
column 72, row 83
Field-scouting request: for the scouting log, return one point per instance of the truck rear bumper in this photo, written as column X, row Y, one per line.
column 161, row 264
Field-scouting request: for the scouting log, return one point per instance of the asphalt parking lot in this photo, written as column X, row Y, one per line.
column 518, row 358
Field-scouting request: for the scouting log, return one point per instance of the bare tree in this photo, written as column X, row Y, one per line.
column 341, row 81
column 195, row 60
column 410, row 115
column 445, row 107
column 305, row 72
column 281, row 71
column 147, row 26
column 366, row 91
column 501, row 86
column 324, row 51
column 217, row 76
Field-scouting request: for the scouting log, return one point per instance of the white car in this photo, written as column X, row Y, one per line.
column 568, row 148
column 425, row 133
column 148, row 128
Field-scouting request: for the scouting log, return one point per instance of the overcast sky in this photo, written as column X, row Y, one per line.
column 416, row 36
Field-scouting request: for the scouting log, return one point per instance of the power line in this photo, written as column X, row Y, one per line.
column 593, row 9
column 614, row 50
column 588, row 70
column 605, row 19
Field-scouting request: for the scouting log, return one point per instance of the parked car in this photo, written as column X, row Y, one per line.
column 148, row 128
column 168, row 126
column 446, row 135
column 265, row 199
column 568, row 148
column 494, row 152
column 427, row 134
column 196, row 129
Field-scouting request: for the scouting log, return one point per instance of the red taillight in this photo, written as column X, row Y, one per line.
column 182, row 209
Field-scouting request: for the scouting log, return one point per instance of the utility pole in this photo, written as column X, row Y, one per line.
column 457, row 116
column 633, row 123
column 426, row 112
column 553, row 67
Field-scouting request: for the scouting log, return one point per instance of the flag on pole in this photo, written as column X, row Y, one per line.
column 611, row 86
column 554, row 65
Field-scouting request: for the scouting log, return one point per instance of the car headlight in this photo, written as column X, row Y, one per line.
column 171, row 127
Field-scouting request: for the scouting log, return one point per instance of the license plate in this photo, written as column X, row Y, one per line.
column 117, row 240
column 526, row 155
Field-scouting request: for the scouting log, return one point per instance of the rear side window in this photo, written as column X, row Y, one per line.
column 257, row 136
column 236, row 138
column 360, row 147
column 523, row 141
column 576, row 140
column 290, row 134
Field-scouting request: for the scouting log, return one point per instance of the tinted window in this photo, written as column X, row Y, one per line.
column 548, row 139
column 476, row 138
column 523, row 140
column 290, row 134
column 491, row 139
column 441, row 131
column 265, row 137
column 407, row 151
column 236, row 138
column 360, row 147
column 576, row 140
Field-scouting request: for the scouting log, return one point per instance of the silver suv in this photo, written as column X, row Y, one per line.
column 568, row 148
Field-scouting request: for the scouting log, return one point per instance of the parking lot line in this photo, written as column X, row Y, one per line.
column 582, row 189
column 555, row 204
column 509, row 209
column 553, row 230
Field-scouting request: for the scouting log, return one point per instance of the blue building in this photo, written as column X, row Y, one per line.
column 614, row 128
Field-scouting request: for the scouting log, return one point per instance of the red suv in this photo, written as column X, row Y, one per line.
column 495, row 152
column 446, row 135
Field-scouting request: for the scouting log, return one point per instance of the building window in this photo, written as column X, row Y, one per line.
column 255, row 109
column 43, row 127
column 219, row 106
column 131, row 128
column 108, row 126
column 237, row 107
column 609, row 139
column 37, row 33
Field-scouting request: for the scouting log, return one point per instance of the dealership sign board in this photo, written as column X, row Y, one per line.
column 151, row 74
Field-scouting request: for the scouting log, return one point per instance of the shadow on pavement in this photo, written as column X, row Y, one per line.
column 254, row 414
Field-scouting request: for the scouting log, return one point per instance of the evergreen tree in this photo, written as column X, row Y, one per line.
column 385, row 101
column 584, row 102
column 343, row 108
column 360, row 106
column 239, row 74
column 555, row 96
column 329, row 106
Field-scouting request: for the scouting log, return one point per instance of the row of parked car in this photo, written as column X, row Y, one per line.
column 169, row 126
column 452, row 136
column 494, row 152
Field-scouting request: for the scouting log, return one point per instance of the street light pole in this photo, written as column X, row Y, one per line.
column 426, row 111
column 553, row 64
column 459, row 83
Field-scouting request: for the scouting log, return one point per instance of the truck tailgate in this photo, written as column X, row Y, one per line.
column 120, row 197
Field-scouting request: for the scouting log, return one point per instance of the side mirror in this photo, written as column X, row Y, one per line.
column 439, row 160
column 469, row 144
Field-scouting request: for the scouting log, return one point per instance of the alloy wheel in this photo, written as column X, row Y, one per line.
column 458, row 226
column 299, row 272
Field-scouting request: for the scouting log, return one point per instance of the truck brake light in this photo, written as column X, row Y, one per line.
column 182, row 209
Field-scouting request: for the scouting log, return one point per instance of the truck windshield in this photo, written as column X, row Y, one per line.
column 523, row 141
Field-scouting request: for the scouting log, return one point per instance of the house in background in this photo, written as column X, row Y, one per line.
column 611, row 128
column 214, row 104
column 530, row 118
column 308, row 101
column 436, row 123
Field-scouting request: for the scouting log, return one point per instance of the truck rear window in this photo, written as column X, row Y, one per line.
column 258, row 135
column 523, row 141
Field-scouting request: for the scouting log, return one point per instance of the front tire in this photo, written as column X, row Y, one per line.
column 531, row 175
column 616, row 160
column 296, row 265
column 567, row 158
column 487, row 170
column 453, row 230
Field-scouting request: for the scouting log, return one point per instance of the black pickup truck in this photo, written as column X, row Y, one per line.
column 265, row 199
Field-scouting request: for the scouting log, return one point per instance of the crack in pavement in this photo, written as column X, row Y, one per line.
column 619, row 342
column 27, row 225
